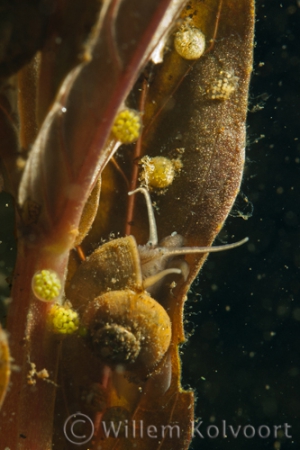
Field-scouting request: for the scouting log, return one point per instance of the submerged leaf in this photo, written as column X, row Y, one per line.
column 197, row 121
column 4, row 365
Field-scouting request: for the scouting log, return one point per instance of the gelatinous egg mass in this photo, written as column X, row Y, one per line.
column 127, row 126
column 189, row 42
column 158, row 172
column 46, row 285
column 63, row 319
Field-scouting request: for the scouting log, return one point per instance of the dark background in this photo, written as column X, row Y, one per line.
column 243, row 313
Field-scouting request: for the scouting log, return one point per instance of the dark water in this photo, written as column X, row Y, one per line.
column 243, row 356
column 7, row 249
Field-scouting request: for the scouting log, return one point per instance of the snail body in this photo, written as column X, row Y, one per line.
column 123, row 325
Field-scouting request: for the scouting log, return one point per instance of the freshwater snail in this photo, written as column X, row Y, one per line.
column 123, row 324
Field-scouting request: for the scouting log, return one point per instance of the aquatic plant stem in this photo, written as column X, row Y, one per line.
column 27, row 414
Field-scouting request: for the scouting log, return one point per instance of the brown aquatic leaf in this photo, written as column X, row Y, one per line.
column 203, row 126
column 9, row 128
column 27, row 103
column 68, row 28
column 4, row 365
column 89, row 212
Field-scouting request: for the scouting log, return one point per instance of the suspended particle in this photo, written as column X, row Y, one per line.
column 189, row 42
column 46, row 285
column 127, row 126
column 63, row 319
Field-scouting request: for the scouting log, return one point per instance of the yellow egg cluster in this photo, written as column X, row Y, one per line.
column 46, row 285
column 127, row 126
column 63, row 319
column 159, row 172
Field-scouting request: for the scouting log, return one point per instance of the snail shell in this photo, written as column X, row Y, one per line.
column 125, row 327
column 113, row 266
column 123, row 324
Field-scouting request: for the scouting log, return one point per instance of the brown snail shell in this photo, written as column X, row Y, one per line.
column 115, row 265
column 128, row 328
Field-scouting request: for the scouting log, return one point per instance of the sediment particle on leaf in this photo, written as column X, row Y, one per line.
column 223, row 86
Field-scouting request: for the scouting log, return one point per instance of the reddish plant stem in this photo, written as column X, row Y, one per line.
column 135, row 167
column 27, row 413
column 106, row 377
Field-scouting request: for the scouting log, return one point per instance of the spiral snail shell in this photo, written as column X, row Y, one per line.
column 123, row 324
column 142, row 334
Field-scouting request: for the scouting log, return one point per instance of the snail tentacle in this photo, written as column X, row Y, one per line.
column 150, row 281
column 189, row 250
column 153, row 239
